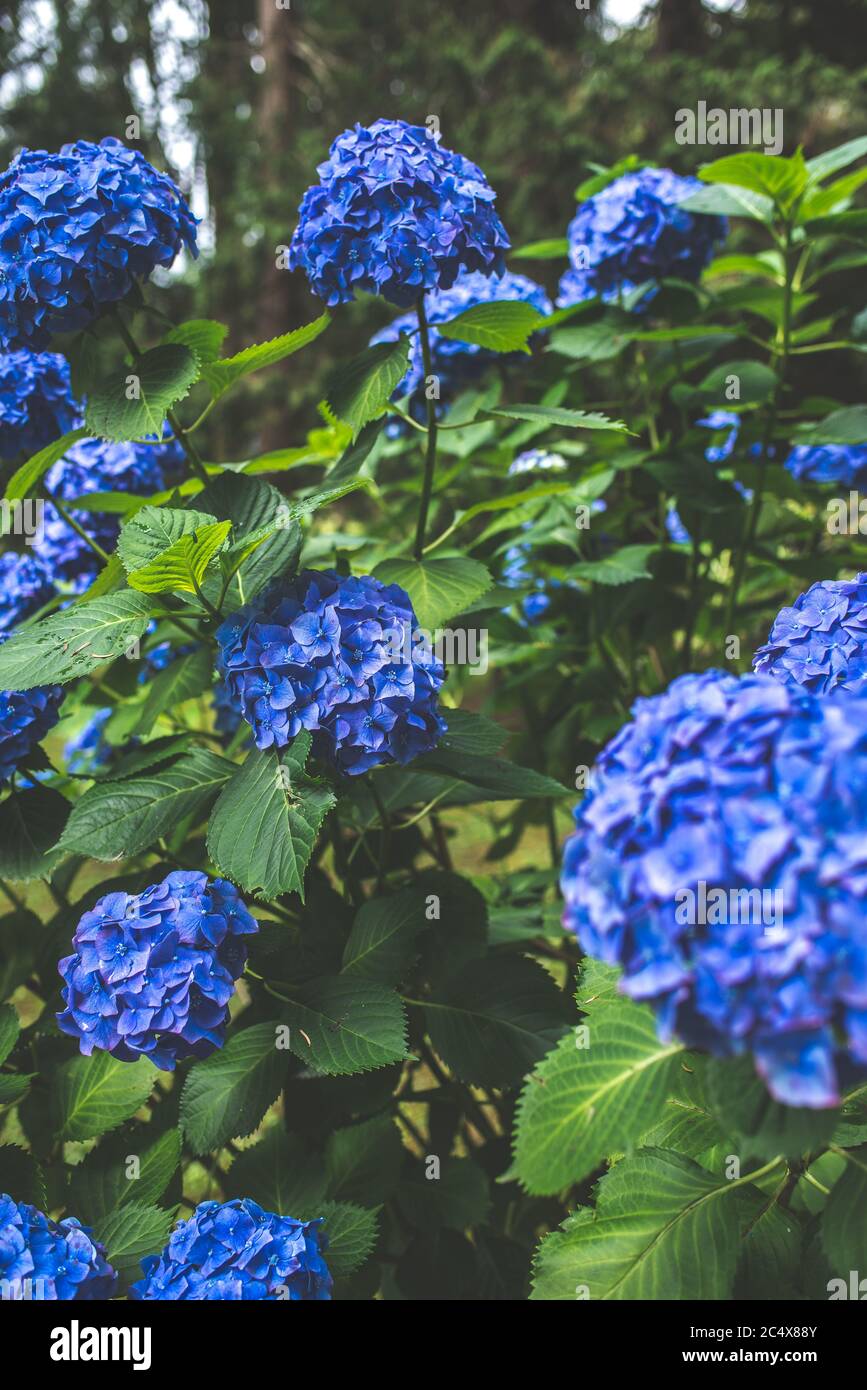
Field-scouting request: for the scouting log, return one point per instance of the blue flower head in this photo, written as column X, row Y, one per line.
column 751, row 797
column 77, row 230
column 395, row 214
column 821, row 641
column 95, row 465
column 236, row 1251
column 26, row 716
column 453, row 362
column 36, row 402
column 341, row 657
column 151, row 974
column 25, row 587
column 88, row 751
column 50, row 1260
column 634, row 231
column 831, row 463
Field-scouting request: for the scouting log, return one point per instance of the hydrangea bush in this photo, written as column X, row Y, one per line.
column 312, row 988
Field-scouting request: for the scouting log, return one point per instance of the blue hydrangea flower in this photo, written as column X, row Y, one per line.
column 50, row 1260
column 634, row 231
column 25, row 587
column 395, row 214
column 821, row 641
column 36, row 402
column 94, row 465
column 517, row 575
column 236, row 1251
column 831, row 463
column 151, row 974
column 77, row 230
column 26, row 716
column 453, row 362
column 342, row 657
column 735, row 783
column 536, row 461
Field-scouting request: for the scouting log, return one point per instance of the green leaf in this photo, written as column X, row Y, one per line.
column 182, row 567
column 157, row 381
column 764, row 1126
column 380, row 944
column 340, row 1025
column 223, row 374
column 624, row 567
column 363, row 1161
column 357, row 391
column 203, row 337
column 31, row 823
column 658, row 1215
column 265, row 824
column 845, row 426
column 106, row 1179
column 24, row 479
column 262, row 525
column 14, row 1088
column 226, row 1096
column 438, row 589
column 469, row 732
column 585, row 1102
column 183, row 679
column 91, row 1095
column 560, row 416
column 153, row 530
column 498, row 778
column 599, row 341
column 9, row 1030
column 352, row 1233
column 21, row 1176
column 70, row 644
column 132, row 1232
column 551, row 250
column 844, row 1235
column 770, row 1260
column 832, row 160
column 503, row 325
column 756, row 383
column 116, row 819
column 280, row 1175
column 493, row 1021
column 724, row 201
column 771, row 176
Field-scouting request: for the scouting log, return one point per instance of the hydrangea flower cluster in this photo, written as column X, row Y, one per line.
column 36, row 402
column 26, row 716
column 94, row 465
column 77, row 230
column 634, row 231
column 537, row 461
column 832, row 463
column 517, row 574
column 236, row 1251
column 751, row 797
column 821, row 641
column 453, row 362
column 151, row 974
column 395, row 214
column 342, row 657
column 25, row 586
column 50, row 1260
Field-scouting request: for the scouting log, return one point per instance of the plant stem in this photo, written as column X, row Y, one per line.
column 74, row 525
column 431, row 443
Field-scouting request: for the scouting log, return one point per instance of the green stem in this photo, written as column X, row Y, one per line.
column 781, row 360
column 431, row 443
column 74, row 525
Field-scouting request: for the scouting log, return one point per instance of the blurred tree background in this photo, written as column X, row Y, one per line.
column 240, row 99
